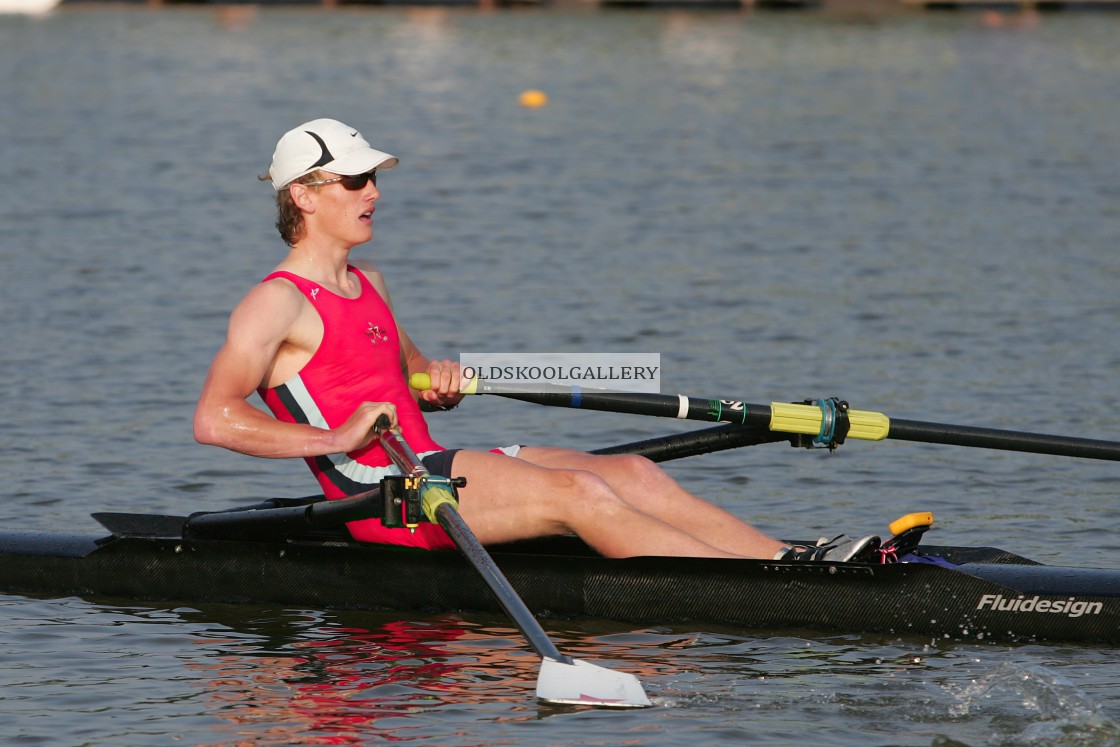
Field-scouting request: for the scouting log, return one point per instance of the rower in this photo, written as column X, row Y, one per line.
column 319, row 342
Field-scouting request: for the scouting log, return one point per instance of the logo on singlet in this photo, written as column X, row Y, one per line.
column 314, row 292
column 376, row 334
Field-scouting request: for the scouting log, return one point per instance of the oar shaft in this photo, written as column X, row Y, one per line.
column 561, row 679
column 657, row 405
column 991, row 438
column 400, row 453
column 448, row 517
column 804, row 419
column 522, row 617
column 694, row 443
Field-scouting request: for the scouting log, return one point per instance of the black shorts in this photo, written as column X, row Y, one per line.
column 441, row 462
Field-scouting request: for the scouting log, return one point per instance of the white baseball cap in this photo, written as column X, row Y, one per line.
column 325, row 144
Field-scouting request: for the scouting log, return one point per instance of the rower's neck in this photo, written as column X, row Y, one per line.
column 321, row 264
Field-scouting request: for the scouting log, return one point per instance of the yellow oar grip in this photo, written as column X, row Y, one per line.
column 806, row 419
column 433, row 497
column 422, row 381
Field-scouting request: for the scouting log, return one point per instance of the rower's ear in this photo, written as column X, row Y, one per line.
column 302, row 197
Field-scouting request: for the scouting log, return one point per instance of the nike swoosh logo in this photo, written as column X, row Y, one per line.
column 326, row 156
column 353, row 134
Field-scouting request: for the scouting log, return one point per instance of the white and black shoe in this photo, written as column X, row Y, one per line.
column 839, row 549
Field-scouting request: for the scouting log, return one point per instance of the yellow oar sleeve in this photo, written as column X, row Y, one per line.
column 433, row 497
column 807, row 419
column 868, row 426
column 790, row 418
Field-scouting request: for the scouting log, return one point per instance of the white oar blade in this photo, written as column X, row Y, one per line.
column 580, row 683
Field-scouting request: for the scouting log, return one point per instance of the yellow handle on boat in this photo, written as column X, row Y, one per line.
column 909, row 521
column 806, row 419
column 422, row 382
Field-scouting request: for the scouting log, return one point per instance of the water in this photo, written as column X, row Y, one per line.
column 918, row 213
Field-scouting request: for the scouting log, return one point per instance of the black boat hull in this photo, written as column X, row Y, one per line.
column 992, row 595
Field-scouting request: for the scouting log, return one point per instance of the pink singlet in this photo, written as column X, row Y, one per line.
column 358, row 360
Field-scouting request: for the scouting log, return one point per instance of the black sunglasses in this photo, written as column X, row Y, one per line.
column 352, row 182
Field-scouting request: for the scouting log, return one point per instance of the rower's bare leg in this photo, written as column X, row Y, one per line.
column 647, row 487
column 508, row 499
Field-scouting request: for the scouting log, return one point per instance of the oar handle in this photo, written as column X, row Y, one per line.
column 422, row 382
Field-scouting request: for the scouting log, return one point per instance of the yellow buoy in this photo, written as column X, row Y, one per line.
column 534, row 99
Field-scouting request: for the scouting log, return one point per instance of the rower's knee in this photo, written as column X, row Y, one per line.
column 584, row 493
column 637, row 470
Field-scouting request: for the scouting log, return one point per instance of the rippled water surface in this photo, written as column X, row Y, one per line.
column 917, row 213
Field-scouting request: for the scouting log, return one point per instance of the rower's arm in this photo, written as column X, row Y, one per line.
column 260, row 324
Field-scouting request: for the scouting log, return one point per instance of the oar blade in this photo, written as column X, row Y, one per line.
column 581, row 683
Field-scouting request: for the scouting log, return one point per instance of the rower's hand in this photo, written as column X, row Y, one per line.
column 445, row 386
column 358, row 431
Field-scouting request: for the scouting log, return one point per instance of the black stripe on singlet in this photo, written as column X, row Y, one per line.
column 325, row 465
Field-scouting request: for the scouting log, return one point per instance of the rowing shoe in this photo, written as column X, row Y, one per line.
column 562, row 679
